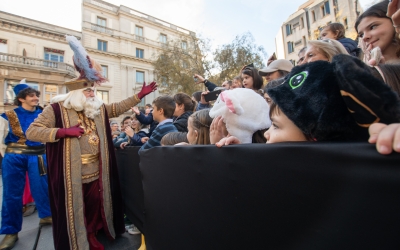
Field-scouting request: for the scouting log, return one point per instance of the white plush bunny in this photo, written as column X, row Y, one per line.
column 243, row 111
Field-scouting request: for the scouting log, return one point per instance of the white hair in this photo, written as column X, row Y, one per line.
column 76, row 100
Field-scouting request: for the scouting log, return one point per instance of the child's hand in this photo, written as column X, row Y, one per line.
column 136, row 110
column 227, row 141
column 129, row 131
column 386, row 137
column 122, row 146
column 144, row 139
column 217, row 130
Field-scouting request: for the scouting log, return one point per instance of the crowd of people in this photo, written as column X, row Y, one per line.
column 339, row 91
column 324, row 57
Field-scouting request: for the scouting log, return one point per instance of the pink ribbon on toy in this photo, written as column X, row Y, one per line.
column 228, row 102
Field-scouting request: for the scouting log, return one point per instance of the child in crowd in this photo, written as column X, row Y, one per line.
column 352, row 99
column 297, row 113
column 199, row 127
column 336, row 31
column 184, row 108
column 137, row 134
column 122, row 137
column 163, row 110
column 301, row 56
column 375, row 29
column 251, row 79
column 174, row 138
column 145, row 119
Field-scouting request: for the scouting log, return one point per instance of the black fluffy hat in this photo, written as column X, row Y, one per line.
column 335, row 101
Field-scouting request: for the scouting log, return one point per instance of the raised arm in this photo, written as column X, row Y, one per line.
column 118, row 108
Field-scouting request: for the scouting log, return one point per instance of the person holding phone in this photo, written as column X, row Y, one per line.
column 209, row 85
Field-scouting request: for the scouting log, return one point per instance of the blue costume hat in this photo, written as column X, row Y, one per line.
column 20, row 87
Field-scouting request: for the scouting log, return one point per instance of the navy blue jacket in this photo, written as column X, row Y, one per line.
column 350, row 45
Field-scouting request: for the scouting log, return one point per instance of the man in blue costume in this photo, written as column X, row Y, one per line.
column 22, row 155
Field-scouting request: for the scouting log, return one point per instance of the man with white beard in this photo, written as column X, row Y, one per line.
column 84, row 187
column 83, row 180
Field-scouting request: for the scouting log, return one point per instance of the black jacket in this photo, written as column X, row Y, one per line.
column 181, row 122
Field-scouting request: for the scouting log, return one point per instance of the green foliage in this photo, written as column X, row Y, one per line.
column 230, row 58
column 175, row 65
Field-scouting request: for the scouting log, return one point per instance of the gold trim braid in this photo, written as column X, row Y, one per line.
column 88, row 176
column 68, row 183
column 16, row 126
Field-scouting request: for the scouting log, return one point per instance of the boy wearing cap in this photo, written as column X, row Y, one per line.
column 277, row 69
column 21, row 156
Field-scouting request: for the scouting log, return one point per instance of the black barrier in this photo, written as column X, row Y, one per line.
column 280, row 196
column 131, row 185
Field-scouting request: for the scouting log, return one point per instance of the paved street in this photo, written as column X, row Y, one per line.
column 29, row 231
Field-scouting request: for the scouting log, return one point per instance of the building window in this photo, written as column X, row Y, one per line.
column 346, row 25
column 290, row 47
column 9, row 94
column 139, row 33
column 301, row 23
column 139, row 53
column 53, row 55
column 185, row 65
column 304, row 41
column 101, row 21
column 104, row 71
column 288, row 29
column 163, row 38
column 325, row 9
column 49, row 92
column 102, row 95
column 184, row 45
column 101, row 45
column 139, row 77
column 313, row 16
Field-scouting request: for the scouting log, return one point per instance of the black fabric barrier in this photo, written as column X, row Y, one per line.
column 280, row 196
column 131, row 185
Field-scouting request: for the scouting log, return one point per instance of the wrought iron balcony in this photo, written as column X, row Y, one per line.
column 35, row 62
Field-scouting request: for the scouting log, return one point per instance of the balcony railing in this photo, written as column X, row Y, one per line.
column 102, row 29
column 29, row 61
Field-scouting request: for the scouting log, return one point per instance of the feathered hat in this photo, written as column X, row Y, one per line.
column 89, row 70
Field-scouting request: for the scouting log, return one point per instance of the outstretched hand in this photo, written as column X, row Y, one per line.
column 136, row 110
column 386, row 137
column 217, row 130
column 147, row 89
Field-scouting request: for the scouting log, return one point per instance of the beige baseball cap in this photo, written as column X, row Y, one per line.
column 281, row 64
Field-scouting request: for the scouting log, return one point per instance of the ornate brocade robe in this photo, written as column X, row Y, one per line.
column 67, row 171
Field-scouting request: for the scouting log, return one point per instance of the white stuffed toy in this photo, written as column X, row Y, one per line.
column 243, row 111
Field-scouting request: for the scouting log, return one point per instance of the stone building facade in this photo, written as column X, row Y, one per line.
column 310, row 17
column 36, row 51
column 125, row 41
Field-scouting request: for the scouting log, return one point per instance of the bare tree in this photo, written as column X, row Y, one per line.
column 230, row 58
column 178, row 60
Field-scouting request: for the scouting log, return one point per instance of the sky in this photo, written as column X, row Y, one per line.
column 218, row 20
